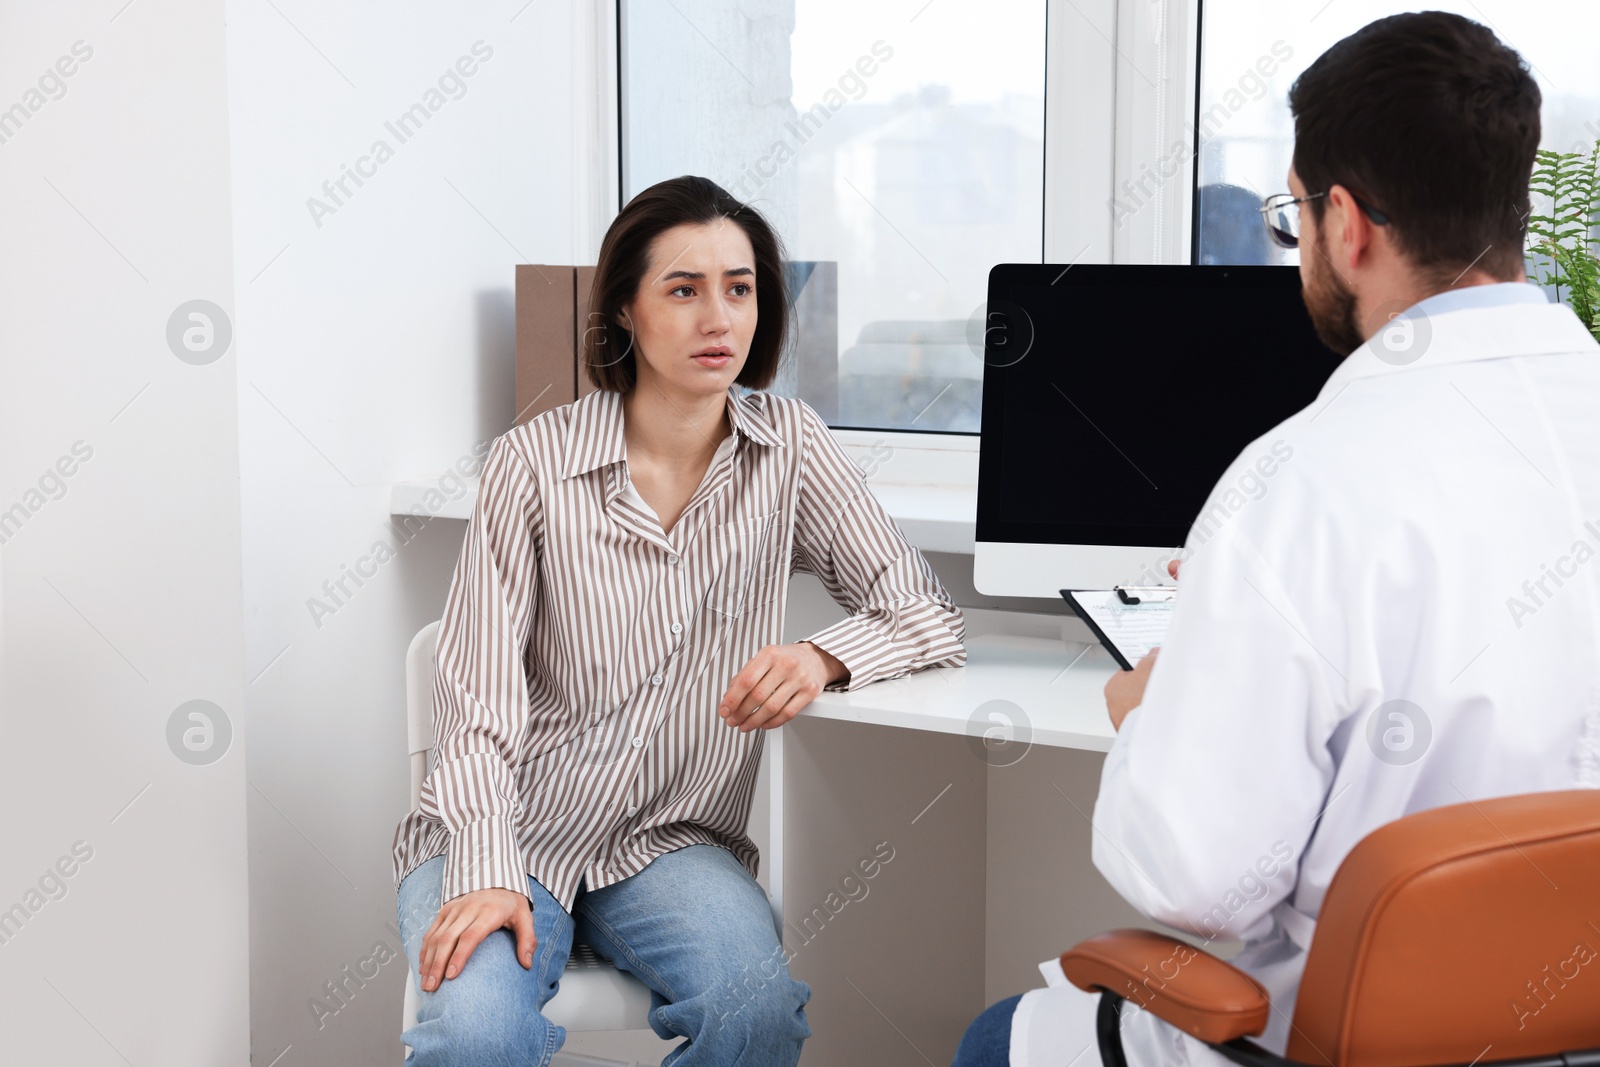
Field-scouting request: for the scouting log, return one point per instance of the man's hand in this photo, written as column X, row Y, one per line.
column 776, row 683
column 1125, row 690
column 463, row 922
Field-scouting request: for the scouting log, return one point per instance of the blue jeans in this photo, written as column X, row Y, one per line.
column 987, row 1042
column 693, row 926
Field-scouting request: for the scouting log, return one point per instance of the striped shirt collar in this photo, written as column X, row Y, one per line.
column 595, row 438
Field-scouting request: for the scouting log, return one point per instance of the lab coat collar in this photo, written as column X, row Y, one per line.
column 595, row 438
column 1418, row 338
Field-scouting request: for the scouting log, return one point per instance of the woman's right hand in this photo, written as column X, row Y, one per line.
column 462, row 924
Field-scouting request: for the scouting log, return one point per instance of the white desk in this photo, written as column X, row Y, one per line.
column 991, row 871
column 1019, row 690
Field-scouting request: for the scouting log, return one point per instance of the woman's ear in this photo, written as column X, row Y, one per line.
column 624, row 321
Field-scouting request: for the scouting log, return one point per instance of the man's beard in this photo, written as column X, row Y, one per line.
column 1332, row 306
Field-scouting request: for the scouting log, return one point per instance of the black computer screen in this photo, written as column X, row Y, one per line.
column 1115, row 396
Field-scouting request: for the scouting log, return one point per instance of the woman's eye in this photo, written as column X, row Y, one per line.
column 683, row 290
column 742, row 289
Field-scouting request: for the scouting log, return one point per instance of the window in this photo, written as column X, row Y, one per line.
column 1252, row 50
column 899, row 150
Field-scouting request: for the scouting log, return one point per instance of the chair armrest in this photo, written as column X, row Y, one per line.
column 1174, row 981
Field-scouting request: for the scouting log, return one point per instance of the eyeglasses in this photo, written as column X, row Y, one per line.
column 1282, row 215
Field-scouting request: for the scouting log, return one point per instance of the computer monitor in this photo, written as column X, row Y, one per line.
column 1114, row 397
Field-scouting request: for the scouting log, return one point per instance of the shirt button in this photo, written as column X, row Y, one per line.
column 672, row 560
column 633, row 811
column 638, row 742
column 677, row 627
column 655, row 679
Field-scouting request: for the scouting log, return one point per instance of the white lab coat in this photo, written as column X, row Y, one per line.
column 1398, row 608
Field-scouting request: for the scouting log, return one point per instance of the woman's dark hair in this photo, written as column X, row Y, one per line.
column 1428, row 118
column 607, row 349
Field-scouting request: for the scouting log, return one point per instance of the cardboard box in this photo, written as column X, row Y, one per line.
column 549, row 312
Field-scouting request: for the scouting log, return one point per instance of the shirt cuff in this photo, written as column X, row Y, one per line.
column 483, row 855
column 870, row 657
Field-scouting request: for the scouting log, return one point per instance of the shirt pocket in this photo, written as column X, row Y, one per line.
column 750, row 572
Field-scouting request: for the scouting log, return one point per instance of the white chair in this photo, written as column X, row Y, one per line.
column 594, row 995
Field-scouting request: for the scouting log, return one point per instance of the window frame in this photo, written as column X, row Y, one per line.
column 1121, row 80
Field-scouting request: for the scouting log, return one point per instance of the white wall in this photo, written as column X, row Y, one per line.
column 376, row 346
column 121, row 586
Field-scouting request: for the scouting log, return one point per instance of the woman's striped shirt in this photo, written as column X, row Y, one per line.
column 582, row 651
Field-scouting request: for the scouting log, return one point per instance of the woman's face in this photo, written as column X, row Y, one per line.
column 695, row 312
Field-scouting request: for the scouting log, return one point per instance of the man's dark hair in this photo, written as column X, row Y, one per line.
column 607, row 349
column 1428, row 118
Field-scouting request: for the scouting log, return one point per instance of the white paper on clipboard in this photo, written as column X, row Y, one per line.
column 1129, row 631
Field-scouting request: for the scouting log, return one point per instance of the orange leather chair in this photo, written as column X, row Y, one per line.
column 1468, row 934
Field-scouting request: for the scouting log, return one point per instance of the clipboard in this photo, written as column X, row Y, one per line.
column 1128, row 620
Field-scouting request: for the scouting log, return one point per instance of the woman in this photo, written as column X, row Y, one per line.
column 608, row 659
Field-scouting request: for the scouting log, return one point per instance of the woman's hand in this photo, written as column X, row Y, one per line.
column 776, row 683
column 462, row 924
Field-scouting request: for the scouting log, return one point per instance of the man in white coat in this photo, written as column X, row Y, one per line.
column 1409, row 615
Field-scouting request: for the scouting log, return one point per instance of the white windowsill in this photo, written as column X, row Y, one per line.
column 928, row 482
